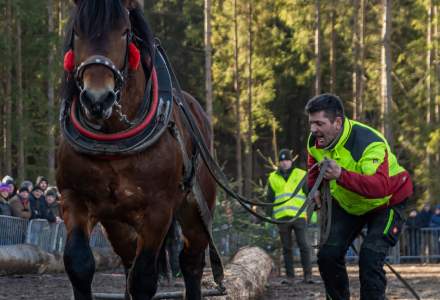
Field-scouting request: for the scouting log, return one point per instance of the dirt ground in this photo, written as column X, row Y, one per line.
column 424, row 278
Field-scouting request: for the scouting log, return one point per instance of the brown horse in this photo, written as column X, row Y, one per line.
column 135, row 194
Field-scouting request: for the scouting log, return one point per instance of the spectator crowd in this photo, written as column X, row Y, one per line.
column 424, row 230
column 29, row 200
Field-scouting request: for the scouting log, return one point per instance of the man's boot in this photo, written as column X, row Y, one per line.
column 308, row 277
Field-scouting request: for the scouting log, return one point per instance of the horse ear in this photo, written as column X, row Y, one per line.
column 132, row 4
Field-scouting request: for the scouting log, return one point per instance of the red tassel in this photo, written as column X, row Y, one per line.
column 69, row 61
column 134, row 56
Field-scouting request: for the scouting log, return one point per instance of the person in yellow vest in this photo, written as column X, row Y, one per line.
column 281, row 185
column 368, row 188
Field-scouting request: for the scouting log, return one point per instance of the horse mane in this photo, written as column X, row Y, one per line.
column 143, row 31
column 94, row 18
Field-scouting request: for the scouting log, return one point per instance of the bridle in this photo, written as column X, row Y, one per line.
column 119, row 74
column 131, row 61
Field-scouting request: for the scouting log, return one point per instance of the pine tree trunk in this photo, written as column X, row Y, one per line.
column 248, row 148
column 142, row 3
column 318, row 87
column 20, row 116
column 275, row 141
column 386, row 90
column 436, row 75
column 208, row 70
column 360, row 97
column 333, row 49
column 8, row 97
column 429, row 64
column 2, row 149
column 355, row 50
column 50, row 97
column 237, row 104
column 436, row 66
column 429, row 72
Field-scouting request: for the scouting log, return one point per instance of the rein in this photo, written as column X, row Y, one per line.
column 401, row 279
column 222, row 181
column 325, row 217
column 215, row 169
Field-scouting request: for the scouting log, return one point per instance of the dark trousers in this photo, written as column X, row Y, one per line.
column 300, row 228
column 383, row 227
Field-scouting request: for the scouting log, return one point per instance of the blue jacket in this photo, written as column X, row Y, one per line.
column 435, row 219
column 40, row 209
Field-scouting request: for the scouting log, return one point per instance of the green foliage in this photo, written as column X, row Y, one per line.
column 283, row 75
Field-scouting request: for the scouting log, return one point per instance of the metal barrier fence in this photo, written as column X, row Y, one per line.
column 415, row 245
column 12, row 230
column 50, row 237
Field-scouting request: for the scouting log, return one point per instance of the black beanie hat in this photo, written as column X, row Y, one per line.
column 40, row 179
column 51, row 192
column 37, row 188
column 22, row 189
column 285, row 155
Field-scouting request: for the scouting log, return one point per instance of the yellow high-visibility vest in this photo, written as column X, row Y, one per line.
column 284, row 190
column 360, row 149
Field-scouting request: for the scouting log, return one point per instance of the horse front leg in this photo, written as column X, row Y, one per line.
column 143, row 276
column 192, row 256
column 78, row 257
column 124, row 242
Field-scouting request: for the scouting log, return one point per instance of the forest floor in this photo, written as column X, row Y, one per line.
column 424, row 278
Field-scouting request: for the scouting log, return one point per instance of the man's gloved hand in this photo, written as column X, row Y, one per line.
column 333, row 170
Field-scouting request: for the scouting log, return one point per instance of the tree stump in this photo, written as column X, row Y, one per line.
column 245, row 275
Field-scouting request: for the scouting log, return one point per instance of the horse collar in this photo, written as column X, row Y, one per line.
column 151, row 122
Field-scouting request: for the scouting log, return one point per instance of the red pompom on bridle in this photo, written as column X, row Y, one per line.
column 134, row 56
column 69, row 61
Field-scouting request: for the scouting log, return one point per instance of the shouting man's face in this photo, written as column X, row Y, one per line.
column 323, row 128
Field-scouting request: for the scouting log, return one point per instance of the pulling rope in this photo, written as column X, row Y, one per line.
column 325, row 216
column 217, row 172
column 402, row 280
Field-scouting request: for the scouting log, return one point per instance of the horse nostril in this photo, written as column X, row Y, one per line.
column 87, row 99
column 108, row 99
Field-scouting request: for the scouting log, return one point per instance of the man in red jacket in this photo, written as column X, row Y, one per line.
column 368, row 188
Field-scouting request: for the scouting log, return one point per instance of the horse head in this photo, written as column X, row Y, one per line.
column 101, row 54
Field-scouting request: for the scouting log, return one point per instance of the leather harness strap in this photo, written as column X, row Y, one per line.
column 148, row 129
column 191, row 184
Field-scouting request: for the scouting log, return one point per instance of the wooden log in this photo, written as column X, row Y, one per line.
column 29, row 259
column 245, row 278
column 158, row 296
column 245, row 275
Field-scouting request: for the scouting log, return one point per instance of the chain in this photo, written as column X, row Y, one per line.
column 122, row 117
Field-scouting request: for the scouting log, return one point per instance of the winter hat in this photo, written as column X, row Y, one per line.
column 51, row 192
column 285, row 155
column 4, row 187
column 27, row 184
column 36, row 188
column 23, row 189
column 40, row 179
column 8, row 180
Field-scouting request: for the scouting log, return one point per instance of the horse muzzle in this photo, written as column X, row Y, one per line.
column 98, row 105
